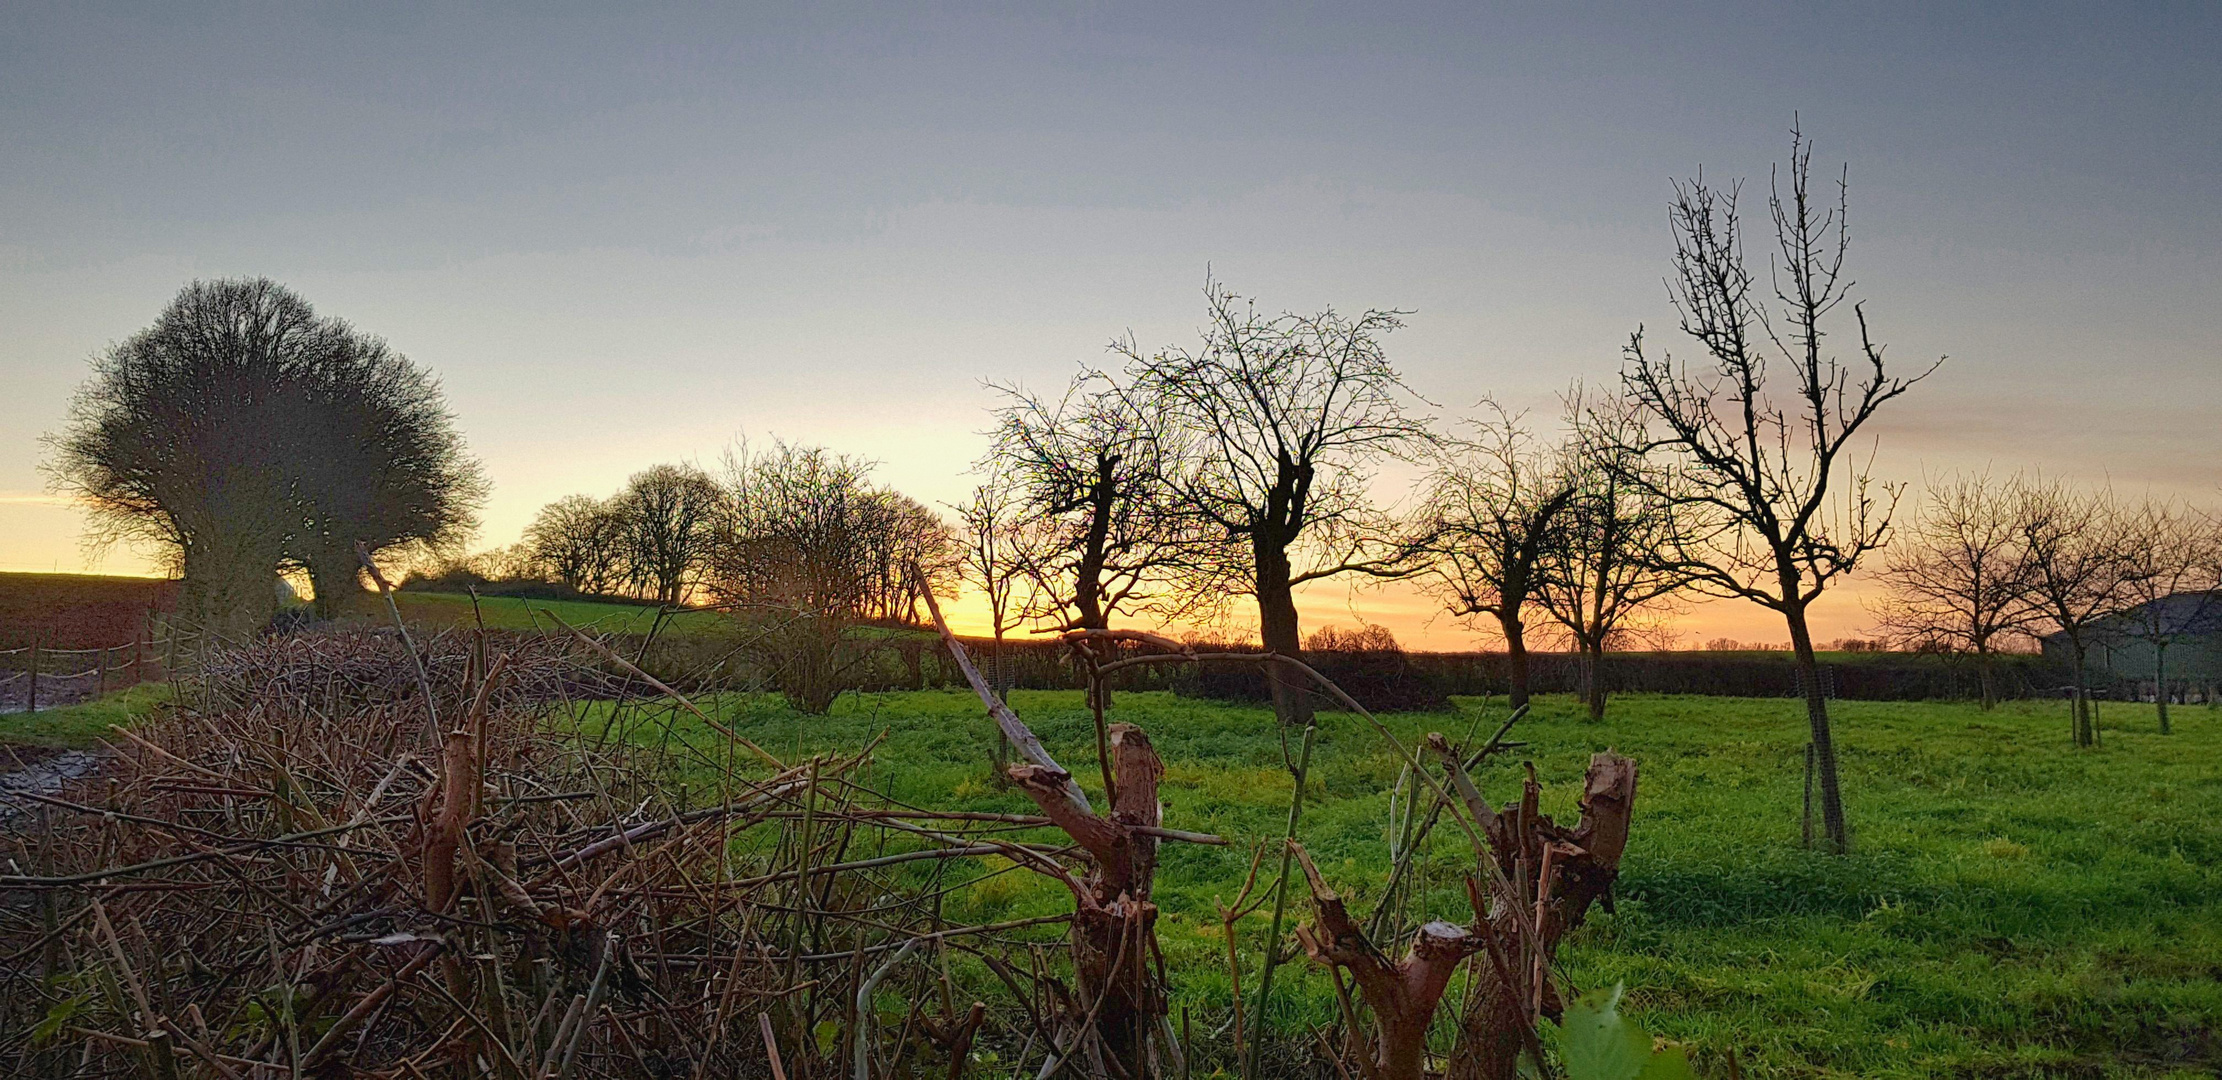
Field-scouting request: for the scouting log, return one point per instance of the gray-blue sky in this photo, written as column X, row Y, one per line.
column 630, row 235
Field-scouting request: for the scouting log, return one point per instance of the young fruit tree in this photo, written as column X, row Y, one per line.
column 1770, row 461
column 2172, row 590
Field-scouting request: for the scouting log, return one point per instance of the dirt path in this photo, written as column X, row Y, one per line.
column 40, row 771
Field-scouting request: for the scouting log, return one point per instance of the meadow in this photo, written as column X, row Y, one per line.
column 2013, row 906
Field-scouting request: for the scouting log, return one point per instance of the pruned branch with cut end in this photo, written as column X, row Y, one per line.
column 1403, row 994
column 1559, row 873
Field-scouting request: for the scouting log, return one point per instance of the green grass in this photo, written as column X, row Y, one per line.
column 83, row 723
column 2013, row 907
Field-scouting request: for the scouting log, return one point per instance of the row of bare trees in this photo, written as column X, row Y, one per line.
column 793, row 521
column 797, row 539
column 1248, row 465
column 1987, row 564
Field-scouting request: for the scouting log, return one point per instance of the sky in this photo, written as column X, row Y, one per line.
column 628, row 234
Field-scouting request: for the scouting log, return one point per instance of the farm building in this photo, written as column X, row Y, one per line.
column 2124, row 648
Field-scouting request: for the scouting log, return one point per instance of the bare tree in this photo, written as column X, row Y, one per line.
column 916, row 554
column 1090, row 475
column 2074, row 545
column 1286, row 417
column 670, row 515
column 1767, row 467
column 1957, row 577
column 578, row 539
column 243, row 430
column 811, row 549
column 995, row 540
column 1611, row 557
column 2171, row 590
column 381, row 464
column 1490, row 508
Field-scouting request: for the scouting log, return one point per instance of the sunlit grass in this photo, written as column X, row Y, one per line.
column 2013, row 906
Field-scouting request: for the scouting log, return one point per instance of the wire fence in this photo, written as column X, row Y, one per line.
column 36, row 676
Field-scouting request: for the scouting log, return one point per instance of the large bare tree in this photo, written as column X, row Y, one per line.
column 1956, row 577
column 2080, row 573
column 578, row 539
column 1612, row 557
column 243, row 430
column 1491, row 507
column 670, row 516
column 1286, row 418
column 1772, row 459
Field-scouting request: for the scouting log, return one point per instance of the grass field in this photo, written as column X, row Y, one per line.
column 2014, row 907
column 86, row 722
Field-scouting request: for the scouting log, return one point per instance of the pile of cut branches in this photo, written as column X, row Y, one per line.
column 351, row 853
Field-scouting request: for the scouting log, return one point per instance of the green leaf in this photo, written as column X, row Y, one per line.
column 1668, row 1064
column 828, row 1034
column 1600, row 1044
column 59, row 1017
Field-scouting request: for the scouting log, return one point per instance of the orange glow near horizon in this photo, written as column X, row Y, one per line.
column 50, row 525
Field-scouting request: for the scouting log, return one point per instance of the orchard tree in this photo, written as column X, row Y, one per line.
column 994, row 543
column 1956, row 577
column 1284, row 419
column 1088, row 479
column 2081, row 574
column 1491, row 508
column 1611, row 558
column 1761, row 435
column 2172, row 590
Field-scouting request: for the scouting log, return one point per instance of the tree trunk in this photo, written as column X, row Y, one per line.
column 336, row 576
column 1277, row 625
column 1516, row 658
column 1593, row 678
column 1824, row 743
column 2080, row 711
column 1985, row 676
column 1114, row 926
column 230, row 591
column 1403, row 994
column 1585, row 860
column 2160, row 683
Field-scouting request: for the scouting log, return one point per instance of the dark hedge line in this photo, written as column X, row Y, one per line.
column 1410, row 681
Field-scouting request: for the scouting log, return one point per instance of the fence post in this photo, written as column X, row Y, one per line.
column 100, row 680
column 32, row 703
column 1808, row 821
